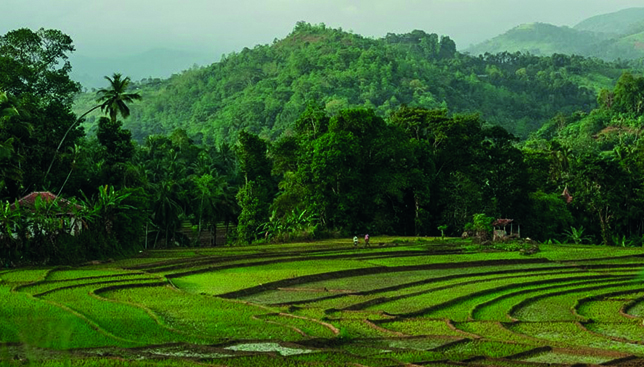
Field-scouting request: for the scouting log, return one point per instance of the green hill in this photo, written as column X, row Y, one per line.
column 540, row 39
column 616, row 124
column 546, row 39
column 629, row 47
column 266, row 88
column 609, row 37
column 618, row 23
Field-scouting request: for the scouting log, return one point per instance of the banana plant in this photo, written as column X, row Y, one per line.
column 576, row 235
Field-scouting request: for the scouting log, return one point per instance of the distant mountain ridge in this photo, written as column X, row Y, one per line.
column 613, row 36
column 617, row 23
column 539, row 39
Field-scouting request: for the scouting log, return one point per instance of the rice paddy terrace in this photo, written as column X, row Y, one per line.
column 415, row 302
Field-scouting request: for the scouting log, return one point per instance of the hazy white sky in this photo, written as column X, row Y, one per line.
column 122, row 27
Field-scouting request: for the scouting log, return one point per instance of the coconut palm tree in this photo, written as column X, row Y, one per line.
column 166, row 209
column 114, row 100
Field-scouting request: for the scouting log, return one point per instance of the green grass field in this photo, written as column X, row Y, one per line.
column 402, row 302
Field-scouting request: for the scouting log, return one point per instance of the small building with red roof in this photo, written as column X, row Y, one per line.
column 47, row 197
column 68, row 209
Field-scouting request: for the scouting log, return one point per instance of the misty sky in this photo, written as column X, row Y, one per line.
column 123, row 27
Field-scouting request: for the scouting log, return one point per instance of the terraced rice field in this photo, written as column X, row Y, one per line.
column 418, row 302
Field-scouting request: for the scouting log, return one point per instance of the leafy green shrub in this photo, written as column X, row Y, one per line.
column 442, row 228
column 294, row 226
column 576, row 235
column 623, row 241
column 481, row 226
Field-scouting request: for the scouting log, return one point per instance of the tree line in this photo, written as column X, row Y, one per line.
column 426, row 171
column 417, row 171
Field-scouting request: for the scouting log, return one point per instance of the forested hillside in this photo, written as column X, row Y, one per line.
column 626, row 21
column 598, row 156
column 264, row 89
column 541, row 39
column 546, row 39
column 615, row 36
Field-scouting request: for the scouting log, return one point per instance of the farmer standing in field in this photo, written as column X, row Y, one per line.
column 366, row 240
column 355, row 241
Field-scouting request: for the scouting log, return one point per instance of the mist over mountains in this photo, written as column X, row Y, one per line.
column 154, row 63
column 618, row 35
column 613, row 36
column 625, row 21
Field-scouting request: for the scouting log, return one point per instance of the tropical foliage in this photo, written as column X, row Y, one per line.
column 401, row 166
